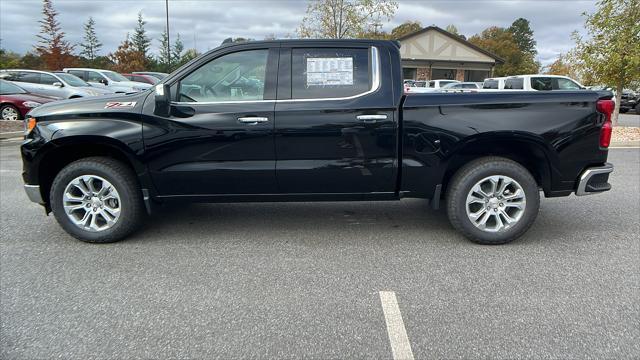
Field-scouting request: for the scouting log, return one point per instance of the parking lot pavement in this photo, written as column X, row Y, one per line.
column 307, row 279
column 629, row 120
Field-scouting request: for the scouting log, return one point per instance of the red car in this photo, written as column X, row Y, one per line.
column 15, row 102
column 142, row 78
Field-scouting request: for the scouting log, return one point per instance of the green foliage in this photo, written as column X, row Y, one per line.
column 501, row 42
column 164, row 59
column 340, row 19
column 140, row 40
column 405, row 28
column 611, row 53
column 452, row 29
column 90, row 45
column 523, row 36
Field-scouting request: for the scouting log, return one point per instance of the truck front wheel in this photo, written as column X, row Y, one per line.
column 492, row 200
column 97, row 200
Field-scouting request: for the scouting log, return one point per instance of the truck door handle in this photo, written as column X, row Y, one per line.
column 252, row 120
column 371, row 118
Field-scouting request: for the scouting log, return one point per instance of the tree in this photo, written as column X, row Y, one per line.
column 405, row 28
column 564, row 65
column 452, row 29
column 9, row 59
column 500, row 41
column 127, row 58
column 187, row 56
column 54, row 50
column 164, row 59
column 91, row 44
column 139, row 39
column 523, row 36
column 340, row 19
column 611, row 52
column 178, row 48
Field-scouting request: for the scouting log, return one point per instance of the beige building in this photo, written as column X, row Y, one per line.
column 433, row 53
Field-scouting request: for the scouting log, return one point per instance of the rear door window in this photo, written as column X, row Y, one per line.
column 514, row 84
column 322, row 73
column 490, row 84
column 29, row 77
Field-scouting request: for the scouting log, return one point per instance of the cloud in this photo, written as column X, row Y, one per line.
column 205, row 23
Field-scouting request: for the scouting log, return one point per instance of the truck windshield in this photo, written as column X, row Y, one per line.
column 490, row 84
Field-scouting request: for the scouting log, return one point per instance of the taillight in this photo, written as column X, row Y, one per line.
column 606, row 108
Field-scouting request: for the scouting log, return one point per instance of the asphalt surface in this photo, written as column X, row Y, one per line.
column 303, row 280
column 629, row 120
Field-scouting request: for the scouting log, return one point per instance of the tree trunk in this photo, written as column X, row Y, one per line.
column 616, row 110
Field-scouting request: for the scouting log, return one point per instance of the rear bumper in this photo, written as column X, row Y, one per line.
column 594, row 180
column 33, row 193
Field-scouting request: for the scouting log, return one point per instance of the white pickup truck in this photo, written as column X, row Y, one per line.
column 532, row 83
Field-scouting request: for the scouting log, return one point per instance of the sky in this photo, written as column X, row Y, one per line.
column 204, row 24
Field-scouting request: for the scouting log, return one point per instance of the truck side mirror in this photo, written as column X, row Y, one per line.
column 104, row 82
column 58, row 84
column 162, row 100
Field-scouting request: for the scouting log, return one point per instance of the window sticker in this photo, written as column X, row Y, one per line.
column 329, row 71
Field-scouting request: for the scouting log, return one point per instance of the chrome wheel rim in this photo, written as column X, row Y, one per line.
column 495, row 203
column 9, row 113
column 91, row 203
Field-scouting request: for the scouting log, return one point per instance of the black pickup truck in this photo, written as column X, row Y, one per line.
column 312, row 120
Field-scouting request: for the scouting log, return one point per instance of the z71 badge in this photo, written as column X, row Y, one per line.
column 119, row 105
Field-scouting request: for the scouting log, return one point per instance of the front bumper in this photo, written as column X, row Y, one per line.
column 33, row 193
column 594, row 180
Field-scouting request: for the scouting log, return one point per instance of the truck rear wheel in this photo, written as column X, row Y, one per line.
column 492, row 200
column 97, row 200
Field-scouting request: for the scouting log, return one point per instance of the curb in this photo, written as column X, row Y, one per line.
column 10, row 135
column 628, row 143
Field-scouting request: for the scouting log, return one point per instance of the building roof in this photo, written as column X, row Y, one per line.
column 454, row 37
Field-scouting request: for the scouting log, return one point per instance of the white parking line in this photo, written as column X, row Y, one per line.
column 400, row 346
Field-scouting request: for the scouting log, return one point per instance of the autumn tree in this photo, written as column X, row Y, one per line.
column 340, row 19
column 500, row 41
column 564, row 66
column 127, row 58
column 55, row 51
column 90, row 45
column 140, row 40
column 611, row 53
column 405, row 28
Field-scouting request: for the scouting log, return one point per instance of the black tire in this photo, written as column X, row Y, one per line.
column 638, row 109
column 8, row 106
column 624, row 111
column 125, row 182
column 470, row 174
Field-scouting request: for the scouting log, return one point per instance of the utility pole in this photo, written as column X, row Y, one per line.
column 166, row 7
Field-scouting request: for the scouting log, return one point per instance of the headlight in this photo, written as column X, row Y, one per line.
column 31, row 104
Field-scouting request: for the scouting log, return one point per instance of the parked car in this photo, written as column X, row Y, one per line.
column 303, row 120
column 158, row 75
column 629, row 101
column 142, row 78
column 541, row 83
column 430, row 86
column 56, row 84
column 16, row 102
column 461, row 87
column 107, row 78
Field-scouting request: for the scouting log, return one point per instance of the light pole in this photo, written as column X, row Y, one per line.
column 166, row 7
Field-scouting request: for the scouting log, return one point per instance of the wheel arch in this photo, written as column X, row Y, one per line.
column 529, row 151
column 66, row 150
